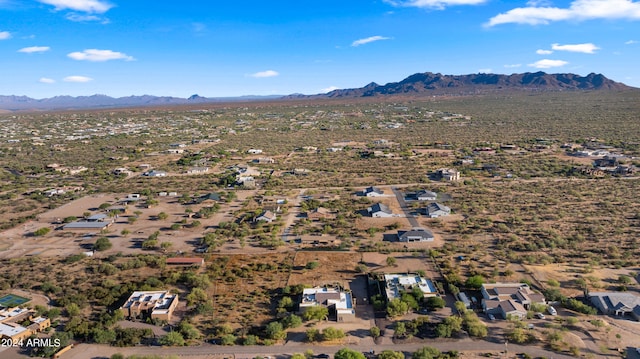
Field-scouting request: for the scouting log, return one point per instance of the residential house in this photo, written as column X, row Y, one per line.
column 13, row 319
column 155, row 173
column 435, row 210
column 53, row 192
column 264, row 160
column 415, row 235
column 151, row 304
column 254, row 151
column 448, row 174
column 511, row 308
column 372, row 192
column 336, row 300
column 197, row 170
column 396, row 284
column 266, row 216
column 213, row 196
column 496, row 295
column 380, row 210
column 617, row 303
column 96, row 222
column 424, row 195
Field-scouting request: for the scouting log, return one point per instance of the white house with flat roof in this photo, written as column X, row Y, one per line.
column 152, row 304
column 396, row 284
column 332, row 298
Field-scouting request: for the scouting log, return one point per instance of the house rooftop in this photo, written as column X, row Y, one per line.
column 327, row 296
column 380, row 207
column 398, row 283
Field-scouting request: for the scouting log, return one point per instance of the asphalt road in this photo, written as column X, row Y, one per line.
column 403, row 205
column 84, row 351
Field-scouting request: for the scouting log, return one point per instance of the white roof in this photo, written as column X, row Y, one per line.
column 11, row 330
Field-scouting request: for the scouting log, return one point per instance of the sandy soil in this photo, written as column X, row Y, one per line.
column 17, row 242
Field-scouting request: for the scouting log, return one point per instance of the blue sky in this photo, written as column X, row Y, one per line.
column 220, row 48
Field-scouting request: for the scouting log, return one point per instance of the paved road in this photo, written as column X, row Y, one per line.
column 85, row 351
column 403, row 205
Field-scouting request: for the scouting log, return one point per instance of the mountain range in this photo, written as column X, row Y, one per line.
column 420, row 84
column 437, row 84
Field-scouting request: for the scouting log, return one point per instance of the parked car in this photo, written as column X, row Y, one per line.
column 491, row 317
column 539, row 315
column 552, row 310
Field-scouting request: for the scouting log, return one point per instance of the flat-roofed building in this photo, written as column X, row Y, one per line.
column 396, row 284
column 152, row 304
column 10, row 327
column 333, row 299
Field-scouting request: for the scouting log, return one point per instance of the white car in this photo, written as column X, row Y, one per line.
column 539, row 315
column 552, row 310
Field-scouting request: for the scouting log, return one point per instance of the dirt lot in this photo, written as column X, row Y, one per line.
column 334, row 267
column 19, row 241
column 599, row 279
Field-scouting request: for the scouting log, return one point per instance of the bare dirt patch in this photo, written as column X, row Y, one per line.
column 333, row 267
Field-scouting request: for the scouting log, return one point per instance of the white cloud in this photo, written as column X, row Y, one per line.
column 32, row 49
column 329, row 89
column 544, row 52
column 5, row 35
column 263, row 74
column 368, row 40
column 587, row 48
column 96, row 55
column 631, row 42
column 46, row 80
column 77, row 79
column 577, row 10
column 512, row 66
column 433, row 4
column 88, row 6
column 547, row 64
column 72, row 16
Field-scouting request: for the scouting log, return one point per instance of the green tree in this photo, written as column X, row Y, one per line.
column 391, row 261
column 292, row 321
column 434, row 303
column 250, row 340
column 162, row 216
column 400, row 330
column 275, row 331
column 346, row 353
column 474, row 282
column 102, row 244
column 397, row 307
column 426, row 353
column 312, row 265
column 312, row 334
column 285, row 302
column 331, row 333
column 390, row 354
column 375, row 332
column 172, row 339
column 41, row 231
column 316, row 312
column 228, row 339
